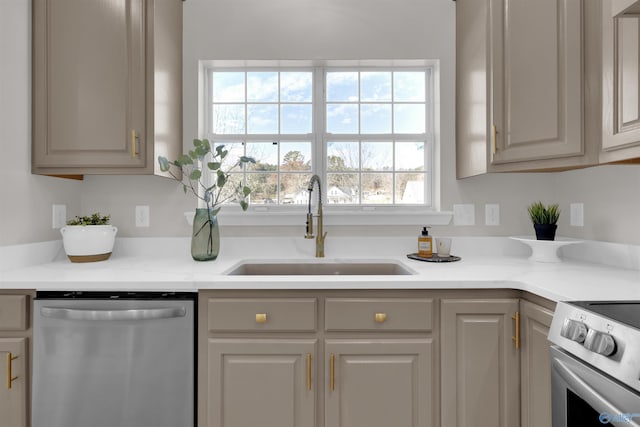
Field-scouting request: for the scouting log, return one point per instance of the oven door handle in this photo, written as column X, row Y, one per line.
column 595, row 399
column 128, row 314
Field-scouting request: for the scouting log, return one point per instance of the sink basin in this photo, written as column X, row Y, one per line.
column 339, row 268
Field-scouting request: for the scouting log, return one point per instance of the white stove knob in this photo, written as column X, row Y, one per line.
column 600, row 342
column 574, row 330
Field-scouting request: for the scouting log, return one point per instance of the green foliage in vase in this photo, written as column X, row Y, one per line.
column 94, row 219
column 203, row 157
column 541, row 214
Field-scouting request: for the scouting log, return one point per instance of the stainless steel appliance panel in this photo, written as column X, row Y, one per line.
column 113, row 363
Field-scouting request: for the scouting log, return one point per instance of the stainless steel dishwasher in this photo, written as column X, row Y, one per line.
column 113, row 359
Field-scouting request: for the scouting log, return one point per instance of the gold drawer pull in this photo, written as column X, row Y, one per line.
column 332, row 372
column 308, row 371
column 10, row 378
column 261, row 317
column 380, row 317
column 516, row 337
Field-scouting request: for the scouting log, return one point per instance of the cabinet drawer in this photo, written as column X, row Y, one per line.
column 262, row 314
column 393, row 314
column 13, row 312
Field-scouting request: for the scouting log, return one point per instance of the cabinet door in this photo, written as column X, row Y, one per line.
column 621, row 86
column 480, row 364
column 536, row 365
column 379, row 383
column 261, row 382
column 13, row 382
column 536, row 79
column 89, row 83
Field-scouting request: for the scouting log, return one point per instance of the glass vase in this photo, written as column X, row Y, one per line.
column 205, row 239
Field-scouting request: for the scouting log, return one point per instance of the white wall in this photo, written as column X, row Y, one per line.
column 306, row 29
column 25, row 199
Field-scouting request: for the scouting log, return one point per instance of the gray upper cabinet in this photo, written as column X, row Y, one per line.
column 525, row 73
column 620, row 81
column 107, row 85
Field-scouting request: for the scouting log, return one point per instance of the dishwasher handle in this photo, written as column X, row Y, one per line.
column 128, row 314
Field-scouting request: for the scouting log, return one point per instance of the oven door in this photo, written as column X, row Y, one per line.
column 582, row 396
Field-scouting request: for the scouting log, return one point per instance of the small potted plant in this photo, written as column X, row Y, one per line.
column 88, row 238
column 544, row 220
column 209, row 188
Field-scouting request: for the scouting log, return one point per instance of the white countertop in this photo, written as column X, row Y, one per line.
column 145, row 264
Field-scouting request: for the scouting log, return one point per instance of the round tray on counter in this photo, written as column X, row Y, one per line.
column 434, row 258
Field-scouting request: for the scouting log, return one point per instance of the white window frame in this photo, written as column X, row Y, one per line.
column 334, row 214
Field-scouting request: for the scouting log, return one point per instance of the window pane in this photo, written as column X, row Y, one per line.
column 375, row 86
column 263, row 186
column 234, row 151
column 409, row 86
column 228, row 119
column 409, row 118
column 376, row 118
column 295, row 118
column 265, row 154
column 262, row 86
column 343, row 156
column 342, row 188
column 342, row 86
column 377, row 156
column 296, row 86
column 377, row 188
column 228, row 86
column 295, row 156
column 409, row 156
column 410, row 188
column 262, row 118
column 293, row 188
column 230, row 187
column 342, row 118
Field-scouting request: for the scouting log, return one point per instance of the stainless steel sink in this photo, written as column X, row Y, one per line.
column 338, row 268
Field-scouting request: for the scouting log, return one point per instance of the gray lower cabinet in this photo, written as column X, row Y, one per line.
column 262, row 382
column 379, row 382
column 620, row 83
column 107, row 85
column 535, row 365
column 14, row 360
column 13, row 389
column 479, row 363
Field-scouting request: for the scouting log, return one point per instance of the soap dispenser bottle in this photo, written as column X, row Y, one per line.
column 425, row 244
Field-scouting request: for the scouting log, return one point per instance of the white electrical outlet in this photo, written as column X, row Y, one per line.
column 58, row 216
column 464, row 214
column 492, row 214
column 576, row 214
column 142, row 216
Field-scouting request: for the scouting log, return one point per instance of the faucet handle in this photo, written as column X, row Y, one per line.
column 309, row 234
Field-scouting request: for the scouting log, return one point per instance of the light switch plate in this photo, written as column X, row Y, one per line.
column 576, row 214
column 58, row 216
column 492, row 214
column 142, row 216
column 464, row 214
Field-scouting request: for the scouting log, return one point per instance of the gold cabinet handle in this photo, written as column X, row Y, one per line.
column 133, row 143
column 494, row 142
column 516, row 337
column 309, row 371
column 10, row 378
column 261, row 317
column 380, row 317
column 332, row 372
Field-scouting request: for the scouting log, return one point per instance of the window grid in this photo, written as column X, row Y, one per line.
column 319, row 150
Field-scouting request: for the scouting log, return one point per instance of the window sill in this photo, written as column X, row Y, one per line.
column 331, row 217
